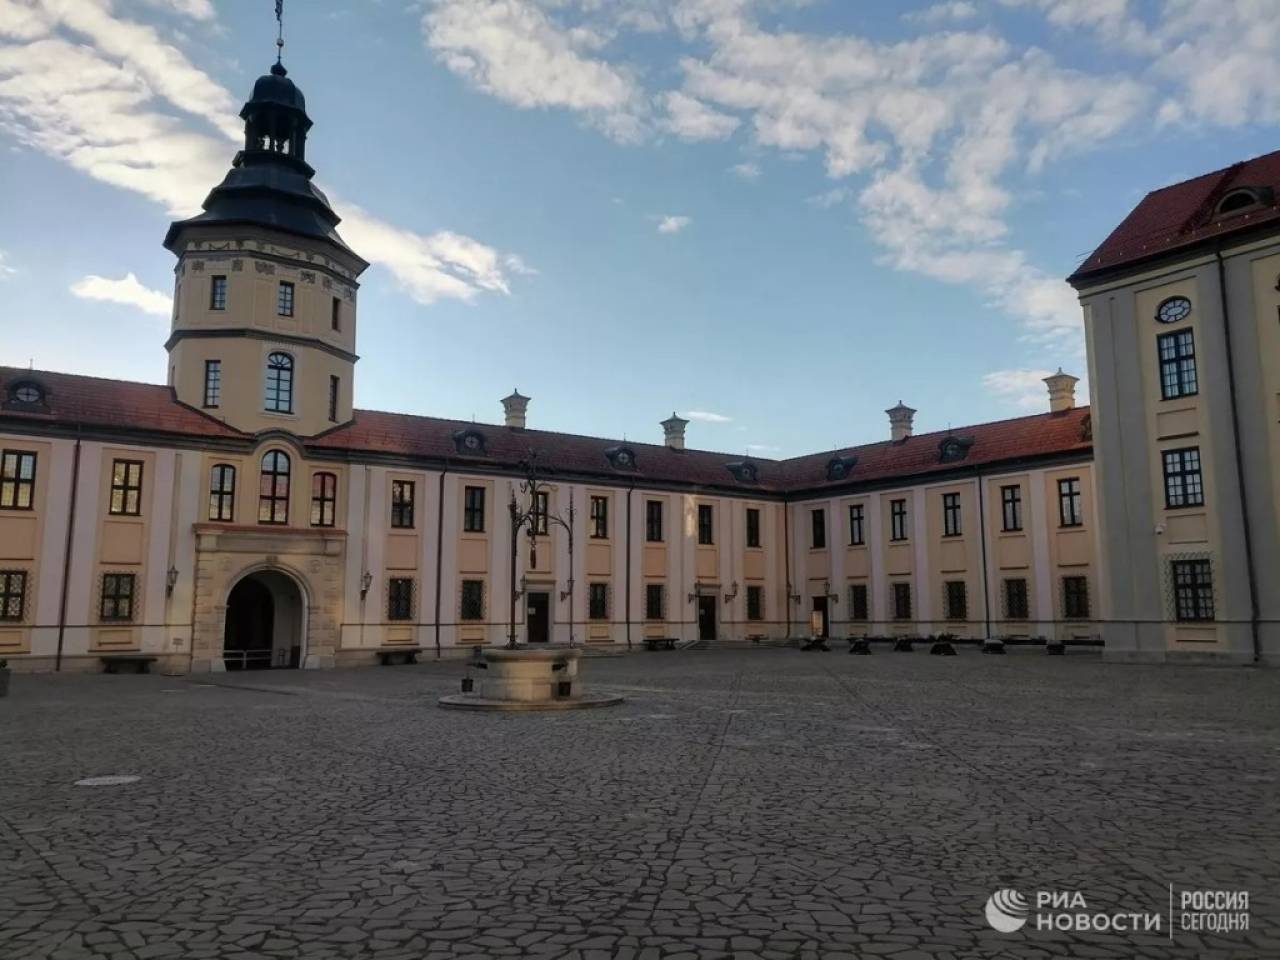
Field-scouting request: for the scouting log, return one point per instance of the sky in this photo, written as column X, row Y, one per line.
column 775, row 217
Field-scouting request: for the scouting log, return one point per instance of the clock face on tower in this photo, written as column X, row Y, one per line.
column 1173, row 310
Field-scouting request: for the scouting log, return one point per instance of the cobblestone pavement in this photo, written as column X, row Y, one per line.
column 765, row 803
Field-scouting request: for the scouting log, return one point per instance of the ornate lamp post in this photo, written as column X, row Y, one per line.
column 531, row 519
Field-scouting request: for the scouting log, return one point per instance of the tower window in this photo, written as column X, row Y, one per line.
column 333, row 399
column 284, row 299
column 212, row 383
column 273, row 492
column 279, row 398
column 335, row 315
column 222, row 492
column 217, row 293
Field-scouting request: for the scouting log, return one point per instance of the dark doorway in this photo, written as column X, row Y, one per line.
column 820, row 621
column 706, row 618
column 263, row 615
column 538, row 616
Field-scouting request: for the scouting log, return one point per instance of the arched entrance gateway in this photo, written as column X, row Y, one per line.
column 265, row 623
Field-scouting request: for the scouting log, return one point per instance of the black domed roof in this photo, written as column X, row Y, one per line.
column 276, row 87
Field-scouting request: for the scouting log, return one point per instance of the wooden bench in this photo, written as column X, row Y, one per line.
column 816, row 643
column 389, row 656
column 135, row 662
column 659, row 643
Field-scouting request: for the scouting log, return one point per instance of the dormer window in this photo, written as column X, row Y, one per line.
column 744, row 471
column 26, row 392
column 621, row 458
column 1238, row 201
column 839, row 468
column 469, row 441
column 953, row 449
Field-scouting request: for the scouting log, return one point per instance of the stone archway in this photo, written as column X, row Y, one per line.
column 265, row 626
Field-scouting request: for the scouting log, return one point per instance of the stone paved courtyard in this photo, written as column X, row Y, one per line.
column 765, row 803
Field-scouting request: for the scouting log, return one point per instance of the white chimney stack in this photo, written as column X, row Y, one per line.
column 1062, row 391
column 514, row 407
column 673, row 431
column 900, row 420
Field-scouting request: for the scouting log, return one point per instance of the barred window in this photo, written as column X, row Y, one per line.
column 1183, row 483
column 858, row 607
column 273, row 488
column 284, row 299
column 956, row 595
column 1177, row 352
column 324, row 499
column 279, row 391
column 126, row 488
column 753, row 527
column 1192, row 590
column 655, row 601
column 218, row 293
column 400, row 598
column 117, row 597
column 856, row 536
column 13, row 595
column 897, row 519
column 599, row 518
column 818, row 524
column 472, row 607
column 902, row 601
column 212, row 383
column 473, row 510
column 1070, row 508
column 1011, row 507
column 1075, row 598
column 653, row 521
column 755, row 603
column 222, row 492
column 17, row 480
column 951, row 514
column 706, row 524
column 1016, row 605
column 541, row 511
column 402, row 494
column 598, row 601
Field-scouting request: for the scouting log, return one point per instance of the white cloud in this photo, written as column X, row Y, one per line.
column 6, row 271
column 949, row 12
column 830, row 198
column 691, row 119
column 127, row 291
column 673, row 224
column 515, row 51
column 195, row 9
column 704, row 416
column 746, row 170
column 1024, row 389
column 106, row 108
column 762, row 448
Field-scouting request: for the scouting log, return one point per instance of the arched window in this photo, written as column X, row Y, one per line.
column 279, row 397
column 222, row 492
column 273, row 488
column 1237, row 200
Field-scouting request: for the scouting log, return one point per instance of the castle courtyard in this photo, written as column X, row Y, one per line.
column 752, row 803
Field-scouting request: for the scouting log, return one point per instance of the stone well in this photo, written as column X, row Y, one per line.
column 527, row 678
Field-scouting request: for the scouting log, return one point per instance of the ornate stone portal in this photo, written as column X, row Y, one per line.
column 526, row 678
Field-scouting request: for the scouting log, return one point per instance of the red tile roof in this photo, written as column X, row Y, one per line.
column 115, row 404
column 1184, row 214
column 97, row 402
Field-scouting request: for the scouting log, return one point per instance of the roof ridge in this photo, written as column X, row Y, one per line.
column 31, row 371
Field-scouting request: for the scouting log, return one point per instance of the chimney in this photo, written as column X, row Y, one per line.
column 514, row 407
column 900, row 418
column 1062, row 391
column 673, row 430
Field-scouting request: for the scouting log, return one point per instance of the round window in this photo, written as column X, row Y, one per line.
column 27, row 393
column 1173, row 310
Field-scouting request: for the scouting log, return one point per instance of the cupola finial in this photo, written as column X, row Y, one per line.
column 279, row 35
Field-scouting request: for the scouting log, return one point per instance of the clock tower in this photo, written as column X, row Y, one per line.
column 264, row 321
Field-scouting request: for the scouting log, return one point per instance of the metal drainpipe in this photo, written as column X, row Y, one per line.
column 982, row 538
column 630, row 490
column 786, row 561
column 1235, row 436
column 439, row 550
column 66, row 558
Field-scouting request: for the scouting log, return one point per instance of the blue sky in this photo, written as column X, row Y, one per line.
column 776, row 217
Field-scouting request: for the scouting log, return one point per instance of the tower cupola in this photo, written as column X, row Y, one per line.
column 276, row 122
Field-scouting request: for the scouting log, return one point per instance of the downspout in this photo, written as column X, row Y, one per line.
column 1235, row 436
column 786, row 561
column 982, row 538
column 439, row 550
column 630, row 490
column 66, row 553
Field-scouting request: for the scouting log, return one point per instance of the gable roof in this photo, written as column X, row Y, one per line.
column 149, row 410
column 1184, row 215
